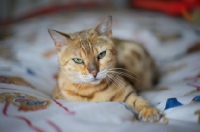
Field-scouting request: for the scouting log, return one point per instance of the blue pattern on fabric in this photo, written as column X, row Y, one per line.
column 171, row 103
column 197, row 98
column 31, row 72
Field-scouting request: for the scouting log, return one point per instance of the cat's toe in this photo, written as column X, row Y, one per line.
column 149, row 114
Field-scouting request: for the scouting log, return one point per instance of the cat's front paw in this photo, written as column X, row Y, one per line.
column 149, row 114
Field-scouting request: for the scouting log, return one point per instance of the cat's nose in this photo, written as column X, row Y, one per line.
column 94, row 72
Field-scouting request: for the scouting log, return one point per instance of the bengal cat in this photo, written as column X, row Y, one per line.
column 95, row 67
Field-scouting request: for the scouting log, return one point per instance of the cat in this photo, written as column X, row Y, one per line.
column 95, row 67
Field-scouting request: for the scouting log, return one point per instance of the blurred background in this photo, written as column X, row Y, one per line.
column 16, row 10
column 17, row 17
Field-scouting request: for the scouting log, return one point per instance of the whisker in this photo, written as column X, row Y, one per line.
column 115, row 82
column 124, row 74
column 125, row 70
column 111, row 81
column 118, row 81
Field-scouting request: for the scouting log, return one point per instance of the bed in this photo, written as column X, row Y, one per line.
column 29, row 66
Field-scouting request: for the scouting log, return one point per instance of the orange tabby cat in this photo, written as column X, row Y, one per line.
column 92, row 69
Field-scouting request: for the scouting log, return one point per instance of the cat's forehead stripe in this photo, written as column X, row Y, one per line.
column 86, row 46
column 84, row 49
column 89, row 44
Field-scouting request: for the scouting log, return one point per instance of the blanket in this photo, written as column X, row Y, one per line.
column 29, row 67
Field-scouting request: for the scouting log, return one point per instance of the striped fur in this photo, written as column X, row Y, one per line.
column 125, row 68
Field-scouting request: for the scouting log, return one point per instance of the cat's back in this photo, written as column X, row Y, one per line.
column 142, row 72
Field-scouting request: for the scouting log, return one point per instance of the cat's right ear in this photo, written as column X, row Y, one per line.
column 60, row 39
column 105, row 27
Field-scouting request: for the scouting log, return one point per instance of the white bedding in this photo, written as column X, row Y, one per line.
column 28, row 69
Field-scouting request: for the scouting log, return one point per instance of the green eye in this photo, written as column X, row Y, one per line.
column 77, row 60
column 101, row 55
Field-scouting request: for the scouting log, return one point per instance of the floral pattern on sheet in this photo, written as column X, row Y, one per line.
column 15, row 80
column 28, row 73
column 24, row 102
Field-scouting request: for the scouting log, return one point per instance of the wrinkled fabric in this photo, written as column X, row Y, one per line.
column 29, row 66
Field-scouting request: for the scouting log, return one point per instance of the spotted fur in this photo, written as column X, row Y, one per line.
column 125, row 68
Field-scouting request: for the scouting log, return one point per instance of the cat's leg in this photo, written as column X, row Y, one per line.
column 145, row 110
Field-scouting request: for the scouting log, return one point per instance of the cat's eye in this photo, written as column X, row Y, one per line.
column 101, row 55
column 77, row 60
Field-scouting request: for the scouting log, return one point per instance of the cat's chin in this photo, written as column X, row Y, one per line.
column 95, row 81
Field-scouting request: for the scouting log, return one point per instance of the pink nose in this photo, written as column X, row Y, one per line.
column 94, row 73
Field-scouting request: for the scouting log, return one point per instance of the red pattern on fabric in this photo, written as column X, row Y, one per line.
column 54, row 126
column 65, row 108
column 55, row 76
column 21, row 118
column 194, row 79
column 198, row 87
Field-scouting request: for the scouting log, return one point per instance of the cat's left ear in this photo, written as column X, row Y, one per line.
column 105, row 27
column 60, row 39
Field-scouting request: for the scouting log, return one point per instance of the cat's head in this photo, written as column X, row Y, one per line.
column 86, row 56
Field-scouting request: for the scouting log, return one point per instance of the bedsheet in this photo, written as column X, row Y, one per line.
column 29, row 66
